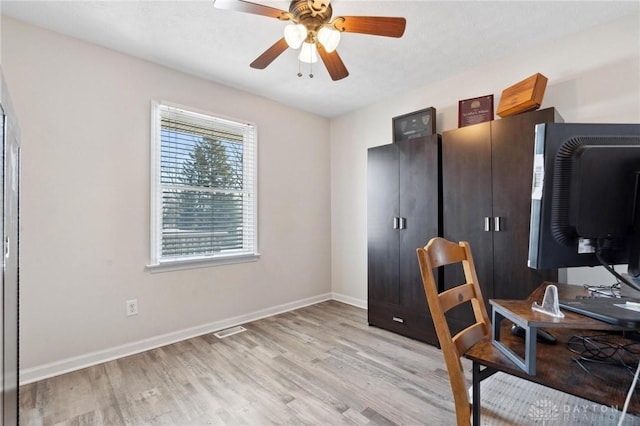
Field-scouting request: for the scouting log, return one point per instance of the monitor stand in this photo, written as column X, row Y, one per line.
column 628, row 291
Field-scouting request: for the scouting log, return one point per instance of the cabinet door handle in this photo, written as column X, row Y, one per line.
column 496, row 224
column 400, row 320
column 487, row 224
column 403, row 223
column 396, row 221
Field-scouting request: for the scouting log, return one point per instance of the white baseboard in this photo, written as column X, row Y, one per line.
column 358, row 303
column 41, row 372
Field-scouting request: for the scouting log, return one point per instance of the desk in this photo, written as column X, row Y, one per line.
column 555, row 367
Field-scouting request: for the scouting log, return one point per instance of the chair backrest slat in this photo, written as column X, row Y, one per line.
column 455, row 296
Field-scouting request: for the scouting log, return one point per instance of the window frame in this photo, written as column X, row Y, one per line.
column 158, row 263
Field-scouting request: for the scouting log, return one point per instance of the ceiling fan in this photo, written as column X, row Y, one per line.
column 314, row 32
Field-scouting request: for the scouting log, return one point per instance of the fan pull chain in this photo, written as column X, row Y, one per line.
column 310, row 69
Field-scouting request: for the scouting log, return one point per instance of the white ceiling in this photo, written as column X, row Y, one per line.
column 443, row 38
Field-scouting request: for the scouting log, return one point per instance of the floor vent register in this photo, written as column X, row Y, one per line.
column 229, row 332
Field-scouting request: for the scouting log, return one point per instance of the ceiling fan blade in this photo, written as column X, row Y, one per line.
column 373, row 25
column 248, row 7
column 334, row 64
column 269, row 55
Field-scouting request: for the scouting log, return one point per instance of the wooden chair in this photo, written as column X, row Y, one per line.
column 440, row 252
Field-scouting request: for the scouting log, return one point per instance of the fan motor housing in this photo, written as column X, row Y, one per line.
column 311, row 13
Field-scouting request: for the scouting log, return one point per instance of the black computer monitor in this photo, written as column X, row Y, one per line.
column 585, row 204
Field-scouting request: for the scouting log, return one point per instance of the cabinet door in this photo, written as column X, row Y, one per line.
column 420, row 210
column 466, row 183
column 512, row 150
column 382, row 208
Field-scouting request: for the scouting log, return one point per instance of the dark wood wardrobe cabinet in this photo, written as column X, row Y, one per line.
column 403, row 213
column 486, row 177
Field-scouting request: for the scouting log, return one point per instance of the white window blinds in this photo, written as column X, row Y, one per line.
column 205, row 201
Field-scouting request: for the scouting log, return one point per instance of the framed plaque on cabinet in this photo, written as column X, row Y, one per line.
column 475, row 110
column 414, row 124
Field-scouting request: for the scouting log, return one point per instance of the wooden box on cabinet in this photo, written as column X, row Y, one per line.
column 523, row 96
column 403, row 213
column 487, row 171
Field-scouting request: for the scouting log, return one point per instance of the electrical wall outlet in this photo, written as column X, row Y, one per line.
column 132, row 307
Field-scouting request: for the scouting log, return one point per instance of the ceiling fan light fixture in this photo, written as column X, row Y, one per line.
column 314, row 30
column 308, row 53
column 294, row 35
column 330, row 38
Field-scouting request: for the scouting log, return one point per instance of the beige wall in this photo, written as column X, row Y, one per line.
column 594, row 76
column 84, row 113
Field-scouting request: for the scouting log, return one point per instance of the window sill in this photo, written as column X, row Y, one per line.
column 178, row 265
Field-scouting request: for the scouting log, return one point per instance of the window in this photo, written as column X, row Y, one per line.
column 203, row 189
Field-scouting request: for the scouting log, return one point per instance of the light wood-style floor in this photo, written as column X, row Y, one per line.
column 318, row 365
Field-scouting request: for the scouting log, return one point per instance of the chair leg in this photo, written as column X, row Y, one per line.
column 475, row 405
column 478, row 375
